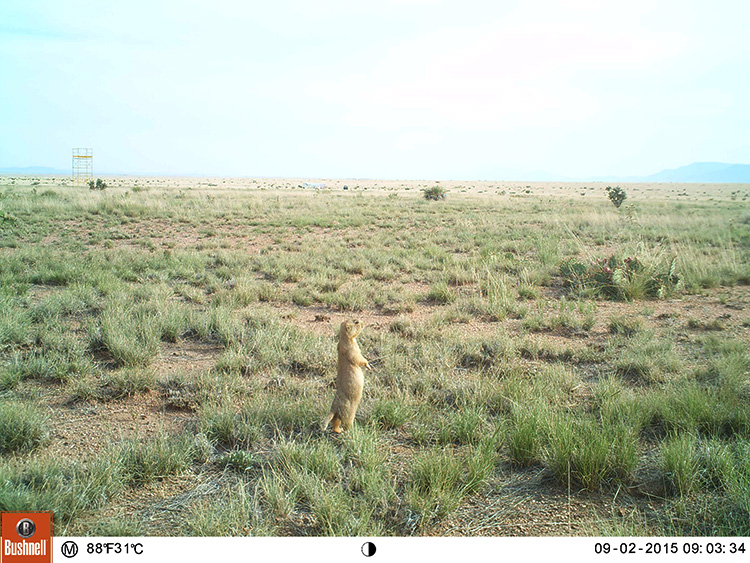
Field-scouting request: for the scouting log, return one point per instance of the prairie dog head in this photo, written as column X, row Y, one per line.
column 350, row 329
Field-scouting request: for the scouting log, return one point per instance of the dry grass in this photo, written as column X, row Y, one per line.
column 168, row 348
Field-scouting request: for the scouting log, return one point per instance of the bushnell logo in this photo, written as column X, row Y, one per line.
column 27, row 537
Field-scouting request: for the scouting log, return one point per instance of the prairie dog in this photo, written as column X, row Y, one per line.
column 349, row 378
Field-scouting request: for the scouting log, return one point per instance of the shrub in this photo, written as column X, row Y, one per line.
column 616, row 195
column 98, row 185
column 435, row 193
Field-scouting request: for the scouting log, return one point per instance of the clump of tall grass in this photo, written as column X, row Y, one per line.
column 622, row 325
column 436, row 484
column 695, row 408
column 118, row 526
column 441, row 294
column 680, row 463
column 263, row 416
column 16, row 326
column 587, row 452
column 527, row 433
column 389, row 414
column 66, row 488
column 131, row 332
column 273, row 345
column 126, row 382
column 279, row 416
column 468, row 425
column 646, row 359
column 236, row 511
column 353, row 298
column 219, row 323
column 319, row 458
column 222, row 424
column 11, row 374
column 23, row 428
column 710, row 480
column 50, row 365
column 241, row 461
column 364, row 449
column 70, row 488
column 728, row 370
column 441, row 479
column 308, row 475
column 370, row 478
column 163, row 455
column 495, row 300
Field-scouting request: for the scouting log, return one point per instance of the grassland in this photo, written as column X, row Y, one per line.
column 543, row 362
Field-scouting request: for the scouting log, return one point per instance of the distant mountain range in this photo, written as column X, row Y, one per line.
column 698, row 172
column 718, row 172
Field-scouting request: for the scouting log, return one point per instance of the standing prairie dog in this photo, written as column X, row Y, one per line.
column 349, row 379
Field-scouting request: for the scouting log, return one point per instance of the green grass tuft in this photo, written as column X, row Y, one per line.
column 23, row 428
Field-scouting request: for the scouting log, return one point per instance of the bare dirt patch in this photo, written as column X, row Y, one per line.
column 79, row 431
column 525, row 504
column 160, row 506
column 187, row 356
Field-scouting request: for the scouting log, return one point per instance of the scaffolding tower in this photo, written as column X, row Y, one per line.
column 83, row 166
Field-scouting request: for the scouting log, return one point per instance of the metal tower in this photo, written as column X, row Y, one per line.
column 83, row 166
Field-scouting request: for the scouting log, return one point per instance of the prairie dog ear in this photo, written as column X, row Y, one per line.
column 356, row 327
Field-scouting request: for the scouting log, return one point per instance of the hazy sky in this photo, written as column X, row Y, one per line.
column 415, row 89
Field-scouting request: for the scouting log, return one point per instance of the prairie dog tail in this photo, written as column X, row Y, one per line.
column 324, row 423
